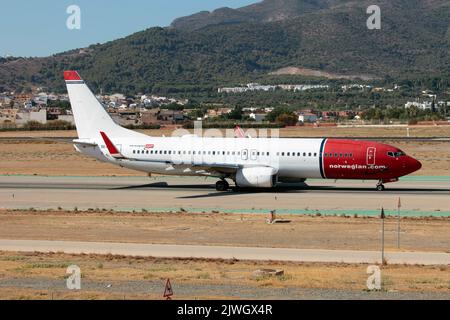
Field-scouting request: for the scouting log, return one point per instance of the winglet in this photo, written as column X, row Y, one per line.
column 111, row 147
column 71, row 76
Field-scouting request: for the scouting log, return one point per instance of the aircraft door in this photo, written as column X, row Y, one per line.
column 371, row 154
column 244, row 154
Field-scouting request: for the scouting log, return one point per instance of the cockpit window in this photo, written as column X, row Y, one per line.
column 396, row 154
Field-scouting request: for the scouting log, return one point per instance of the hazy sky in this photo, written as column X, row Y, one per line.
column 38, row 28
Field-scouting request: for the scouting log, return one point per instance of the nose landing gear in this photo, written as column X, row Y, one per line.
column 222, row 185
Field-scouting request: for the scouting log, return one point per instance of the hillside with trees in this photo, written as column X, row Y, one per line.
column 201, row 52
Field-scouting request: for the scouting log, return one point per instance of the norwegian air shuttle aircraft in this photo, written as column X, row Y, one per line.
column 251, row 163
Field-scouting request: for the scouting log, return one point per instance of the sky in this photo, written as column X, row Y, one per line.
column 31, row 28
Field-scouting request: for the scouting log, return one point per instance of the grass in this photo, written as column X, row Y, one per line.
column 47, row 265
column 213, row 272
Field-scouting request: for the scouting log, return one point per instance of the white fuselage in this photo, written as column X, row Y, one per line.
column 292, row 158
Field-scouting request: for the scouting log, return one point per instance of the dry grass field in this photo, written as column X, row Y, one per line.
column 305, row 232
column 37, row 157
column 43, row 276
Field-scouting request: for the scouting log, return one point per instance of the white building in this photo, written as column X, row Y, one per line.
column 426, row 105
column 39, row 116
column 307, row 117
column 258, row 117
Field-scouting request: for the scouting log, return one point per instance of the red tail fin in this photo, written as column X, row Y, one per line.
column 111, row 147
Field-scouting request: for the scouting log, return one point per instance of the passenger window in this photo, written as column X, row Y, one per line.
column 309, row 154
column 268, row 154
column 304, row 154
column 315, row 154
column 282, row 154
column 288, row 154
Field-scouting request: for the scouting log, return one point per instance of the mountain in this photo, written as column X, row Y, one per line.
column 265, row 11
column 232, row 46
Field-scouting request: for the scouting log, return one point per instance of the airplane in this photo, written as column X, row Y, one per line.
column 249, row 163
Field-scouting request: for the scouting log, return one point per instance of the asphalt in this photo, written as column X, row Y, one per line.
column 419, row 196
column 223, row 252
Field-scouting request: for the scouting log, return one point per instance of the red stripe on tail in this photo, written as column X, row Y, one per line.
column 71, row 76
column 111, row 147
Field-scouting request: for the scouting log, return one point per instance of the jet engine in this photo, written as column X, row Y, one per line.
column 256, row 177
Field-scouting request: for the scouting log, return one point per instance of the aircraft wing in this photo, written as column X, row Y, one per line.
column 211, row 168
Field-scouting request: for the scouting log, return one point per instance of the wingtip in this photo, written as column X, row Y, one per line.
column 71, row 75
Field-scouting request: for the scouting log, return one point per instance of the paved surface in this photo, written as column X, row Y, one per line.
column 419, row 196
column 221, row 252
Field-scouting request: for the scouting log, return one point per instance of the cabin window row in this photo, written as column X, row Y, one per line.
column 232, row 153
column 338, row 155
column 297, row 154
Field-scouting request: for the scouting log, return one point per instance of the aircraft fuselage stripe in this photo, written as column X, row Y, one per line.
column 322, row 148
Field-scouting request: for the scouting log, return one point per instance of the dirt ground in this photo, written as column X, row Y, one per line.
column 43, row 276
column 49, row 158
column 227, row 229
column 306, row 131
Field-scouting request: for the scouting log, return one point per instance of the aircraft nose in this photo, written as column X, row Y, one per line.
column 413, row 165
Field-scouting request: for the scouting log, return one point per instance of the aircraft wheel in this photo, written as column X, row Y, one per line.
column 380, row 187
column 222, row 185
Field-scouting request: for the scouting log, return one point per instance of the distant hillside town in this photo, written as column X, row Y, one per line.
column 19, row 110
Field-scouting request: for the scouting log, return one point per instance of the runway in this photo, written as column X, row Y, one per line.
column 221, row 252
column 419, row 196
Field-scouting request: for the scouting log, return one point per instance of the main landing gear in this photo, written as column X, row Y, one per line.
column 380, row 186
column 222, row 185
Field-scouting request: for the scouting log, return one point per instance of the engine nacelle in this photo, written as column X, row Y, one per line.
column 256, row 177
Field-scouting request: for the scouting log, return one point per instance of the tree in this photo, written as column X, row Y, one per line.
column 235, row 114
column 287, row 119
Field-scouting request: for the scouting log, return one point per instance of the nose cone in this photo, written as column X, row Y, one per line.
column 412, row 165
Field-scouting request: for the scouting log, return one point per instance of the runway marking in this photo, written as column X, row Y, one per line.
column 222, row 252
